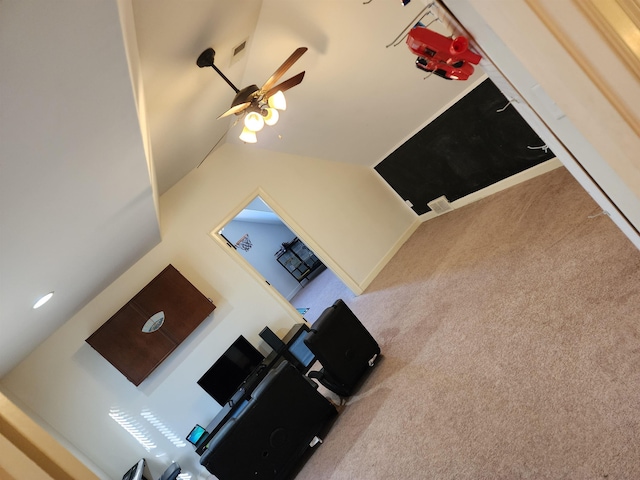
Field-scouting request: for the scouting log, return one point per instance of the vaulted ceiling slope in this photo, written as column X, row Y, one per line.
column 358, row 101
column 92, row 91
column 76, row 200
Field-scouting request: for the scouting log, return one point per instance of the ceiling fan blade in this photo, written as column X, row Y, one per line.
column 286, row 85
column 283, row 68
column 235, row 109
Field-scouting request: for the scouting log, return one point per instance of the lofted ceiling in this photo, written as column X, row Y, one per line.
column 78, row 199
column 357, row 102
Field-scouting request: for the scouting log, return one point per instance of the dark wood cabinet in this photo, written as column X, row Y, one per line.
column 121, row 340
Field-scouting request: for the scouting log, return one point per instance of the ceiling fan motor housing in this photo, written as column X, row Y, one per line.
column 245, row 95
column 206, row 58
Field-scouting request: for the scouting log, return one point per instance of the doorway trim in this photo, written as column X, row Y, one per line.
column 292, row 225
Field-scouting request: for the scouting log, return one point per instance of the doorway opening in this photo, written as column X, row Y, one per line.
column 282, row 259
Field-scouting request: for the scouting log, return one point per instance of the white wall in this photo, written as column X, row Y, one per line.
column 68, row 131
column 348, row 211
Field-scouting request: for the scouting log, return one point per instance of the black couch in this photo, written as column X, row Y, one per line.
column 272, row 432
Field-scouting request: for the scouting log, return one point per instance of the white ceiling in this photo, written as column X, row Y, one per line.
column 77, row 198
column 358, row 101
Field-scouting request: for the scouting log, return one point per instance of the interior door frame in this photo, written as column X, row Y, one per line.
column 292, row 225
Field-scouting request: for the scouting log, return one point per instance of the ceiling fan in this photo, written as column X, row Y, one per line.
column 259, row 105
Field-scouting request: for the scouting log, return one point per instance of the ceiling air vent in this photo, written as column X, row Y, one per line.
column 440, row 205
column 238, row 51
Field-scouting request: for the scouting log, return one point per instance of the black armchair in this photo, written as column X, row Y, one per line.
column 343, row 346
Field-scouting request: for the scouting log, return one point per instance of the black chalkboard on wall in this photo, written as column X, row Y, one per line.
column 469, row 147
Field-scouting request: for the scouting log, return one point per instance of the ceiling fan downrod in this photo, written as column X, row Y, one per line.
column 206, row 60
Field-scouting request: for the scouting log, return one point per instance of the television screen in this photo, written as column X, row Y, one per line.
column 226, row 375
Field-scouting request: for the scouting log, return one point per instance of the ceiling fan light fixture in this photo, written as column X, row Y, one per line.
column 254, row 121
column 248, row 136
column 272, row 116
column 258, row 105
column 278, row 101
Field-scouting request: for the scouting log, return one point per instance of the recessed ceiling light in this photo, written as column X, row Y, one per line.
column 44, row 299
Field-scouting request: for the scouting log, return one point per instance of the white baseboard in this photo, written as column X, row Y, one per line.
column 499, row 186
column 389, row 255
column 473, row 197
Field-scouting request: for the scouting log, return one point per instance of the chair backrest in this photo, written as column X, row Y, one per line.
column 342, row 344
column 172, row 472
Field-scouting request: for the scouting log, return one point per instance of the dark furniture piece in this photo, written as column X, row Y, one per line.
column 272, row 430
column 228, row 373
column 140, row 471
column 298, row 260
column 291, row 350
column 172, row 472
column 230, row 410
column 343, row 346
column 121, row 340
column 296, row 351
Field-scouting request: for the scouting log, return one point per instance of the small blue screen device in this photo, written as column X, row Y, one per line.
column 196, row 434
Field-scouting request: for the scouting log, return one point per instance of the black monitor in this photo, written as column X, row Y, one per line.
column 300, row 352
column 226, row 375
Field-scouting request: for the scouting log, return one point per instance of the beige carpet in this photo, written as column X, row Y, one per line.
column 510, row 331
column 320, row 293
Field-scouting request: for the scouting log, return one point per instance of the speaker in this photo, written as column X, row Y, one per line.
column 272, row 339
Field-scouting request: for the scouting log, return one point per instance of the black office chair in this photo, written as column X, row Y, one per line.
column 140, row 471
column 343, row 346
column 172, row 472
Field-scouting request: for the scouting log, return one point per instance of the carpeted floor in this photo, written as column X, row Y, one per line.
column 510, row 333
column 320, row 293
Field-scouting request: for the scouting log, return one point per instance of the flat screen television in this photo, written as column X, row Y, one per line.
column 226, row 375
